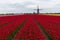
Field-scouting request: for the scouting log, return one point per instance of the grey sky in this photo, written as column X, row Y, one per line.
column 21, row 6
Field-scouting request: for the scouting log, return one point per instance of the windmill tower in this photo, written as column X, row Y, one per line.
column 37, row 9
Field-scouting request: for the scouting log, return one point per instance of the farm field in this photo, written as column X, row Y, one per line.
column 53, row 14
column 30, row 27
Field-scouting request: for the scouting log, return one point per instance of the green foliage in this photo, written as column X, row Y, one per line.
column 43, row 30
column 18, row 28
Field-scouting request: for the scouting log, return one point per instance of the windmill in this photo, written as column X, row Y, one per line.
column 38, row 10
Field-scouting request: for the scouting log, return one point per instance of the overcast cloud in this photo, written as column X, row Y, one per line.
column 21, row 6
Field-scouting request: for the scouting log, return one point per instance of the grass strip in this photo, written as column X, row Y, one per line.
column 11, row 37
column 21, row 38
column 43, row 30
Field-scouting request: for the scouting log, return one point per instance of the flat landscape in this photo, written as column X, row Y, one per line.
column 30, row 27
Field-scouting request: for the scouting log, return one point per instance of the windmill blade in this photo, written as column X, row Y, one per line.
column 34, row 9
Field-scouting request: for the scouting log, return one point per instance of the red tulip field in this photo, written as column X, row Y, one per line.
column 30, row 27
